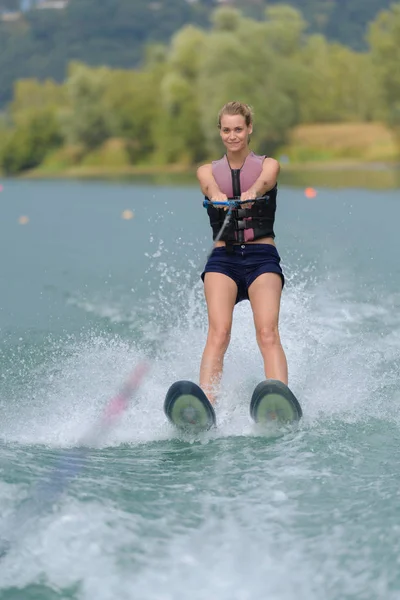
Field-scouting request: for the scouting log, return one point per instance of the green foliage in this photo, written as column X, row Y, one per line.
column 31, row 94
column 28, row 144
column 131, row 102
column 338, row 84
column 384, row 38
column 284, row 29
column 113, row 153
column 226, row 19
column 348, row 21
column 110, row 32
column 178, row 135
column 116, row 32
column 62, row 158
column 246, row 65
column 344, row 21
column 86, row 122
column 166, row 111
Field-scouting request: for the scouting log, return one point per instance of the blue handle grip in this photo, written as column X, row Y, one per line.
column 231, row 202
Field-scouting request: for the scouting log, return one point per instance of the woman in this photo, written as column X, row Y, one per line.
column 244, row 263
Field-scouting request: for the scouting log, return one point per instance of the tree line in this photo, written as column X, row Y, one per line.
column 115, row 32
column 165, row 112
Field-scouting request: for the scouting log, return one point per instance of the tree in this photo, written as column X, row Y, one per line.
column 116, row 33
column 32, row 94
column 252, row 64
column 180, row 136
column 87, row 122
column 284, row 29
column 384, row 39
column 131, row 100
column 27, row 145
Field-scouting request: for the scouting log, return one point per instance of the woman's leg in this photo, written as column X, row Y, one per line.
column 220, row 292
column 265, row 297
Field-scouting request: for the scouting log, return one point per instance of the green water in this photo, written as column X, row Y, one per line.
column 232, row 515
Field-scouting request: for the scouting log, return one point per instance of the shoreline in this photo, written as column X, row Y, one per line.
column 104, row 172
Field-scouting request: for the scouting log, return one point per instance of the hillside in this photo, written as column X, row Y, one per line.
column 41, row 43
column 344, row 21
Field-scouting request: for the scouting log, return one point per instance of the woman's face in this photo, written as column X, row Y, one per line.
column 234, row 132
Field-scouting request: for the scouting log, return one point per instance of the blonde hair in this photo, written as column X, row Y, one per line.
column 236, row 108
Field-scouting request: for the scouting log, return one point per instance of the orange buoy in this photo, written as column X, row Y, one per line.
column 310, row 192
column 23, row 220
column 127, row 214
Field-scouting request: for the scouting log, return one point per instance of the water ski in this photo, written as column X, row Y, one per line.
column 188, row 408
column 273, row 402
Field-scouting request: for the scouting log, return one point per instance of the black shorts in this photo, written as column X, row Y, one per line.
column 244, row 265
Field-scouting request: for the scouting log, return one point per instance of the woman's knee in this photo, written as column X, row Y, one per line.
column 219, row 337
column 268, row 336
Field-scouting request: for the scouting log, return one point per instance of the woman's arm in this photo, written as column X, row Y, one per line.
column 208, row 184
column 266, row 181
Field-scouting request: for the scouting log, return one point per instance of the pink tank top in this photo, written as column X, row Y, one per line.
column 249, row 173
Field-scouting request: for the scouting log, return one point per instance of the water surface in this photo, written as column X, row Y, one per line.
column 151, row 515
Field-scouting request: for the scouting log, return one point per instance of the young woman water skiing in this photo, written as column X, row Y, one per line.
column 245, row 263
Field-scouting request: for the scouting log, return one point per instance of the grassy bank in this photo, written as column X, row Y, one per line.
column 341, row 143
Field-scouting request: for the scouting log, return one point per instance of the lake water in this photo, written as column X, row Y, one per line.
column 234, row 515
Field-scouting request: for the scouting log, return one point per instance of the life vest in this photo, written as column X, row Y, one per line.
column 245, row 224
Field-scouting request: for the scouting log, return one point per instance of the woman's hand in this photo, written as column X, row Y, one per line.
column 250, row 195
column 219, row 197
